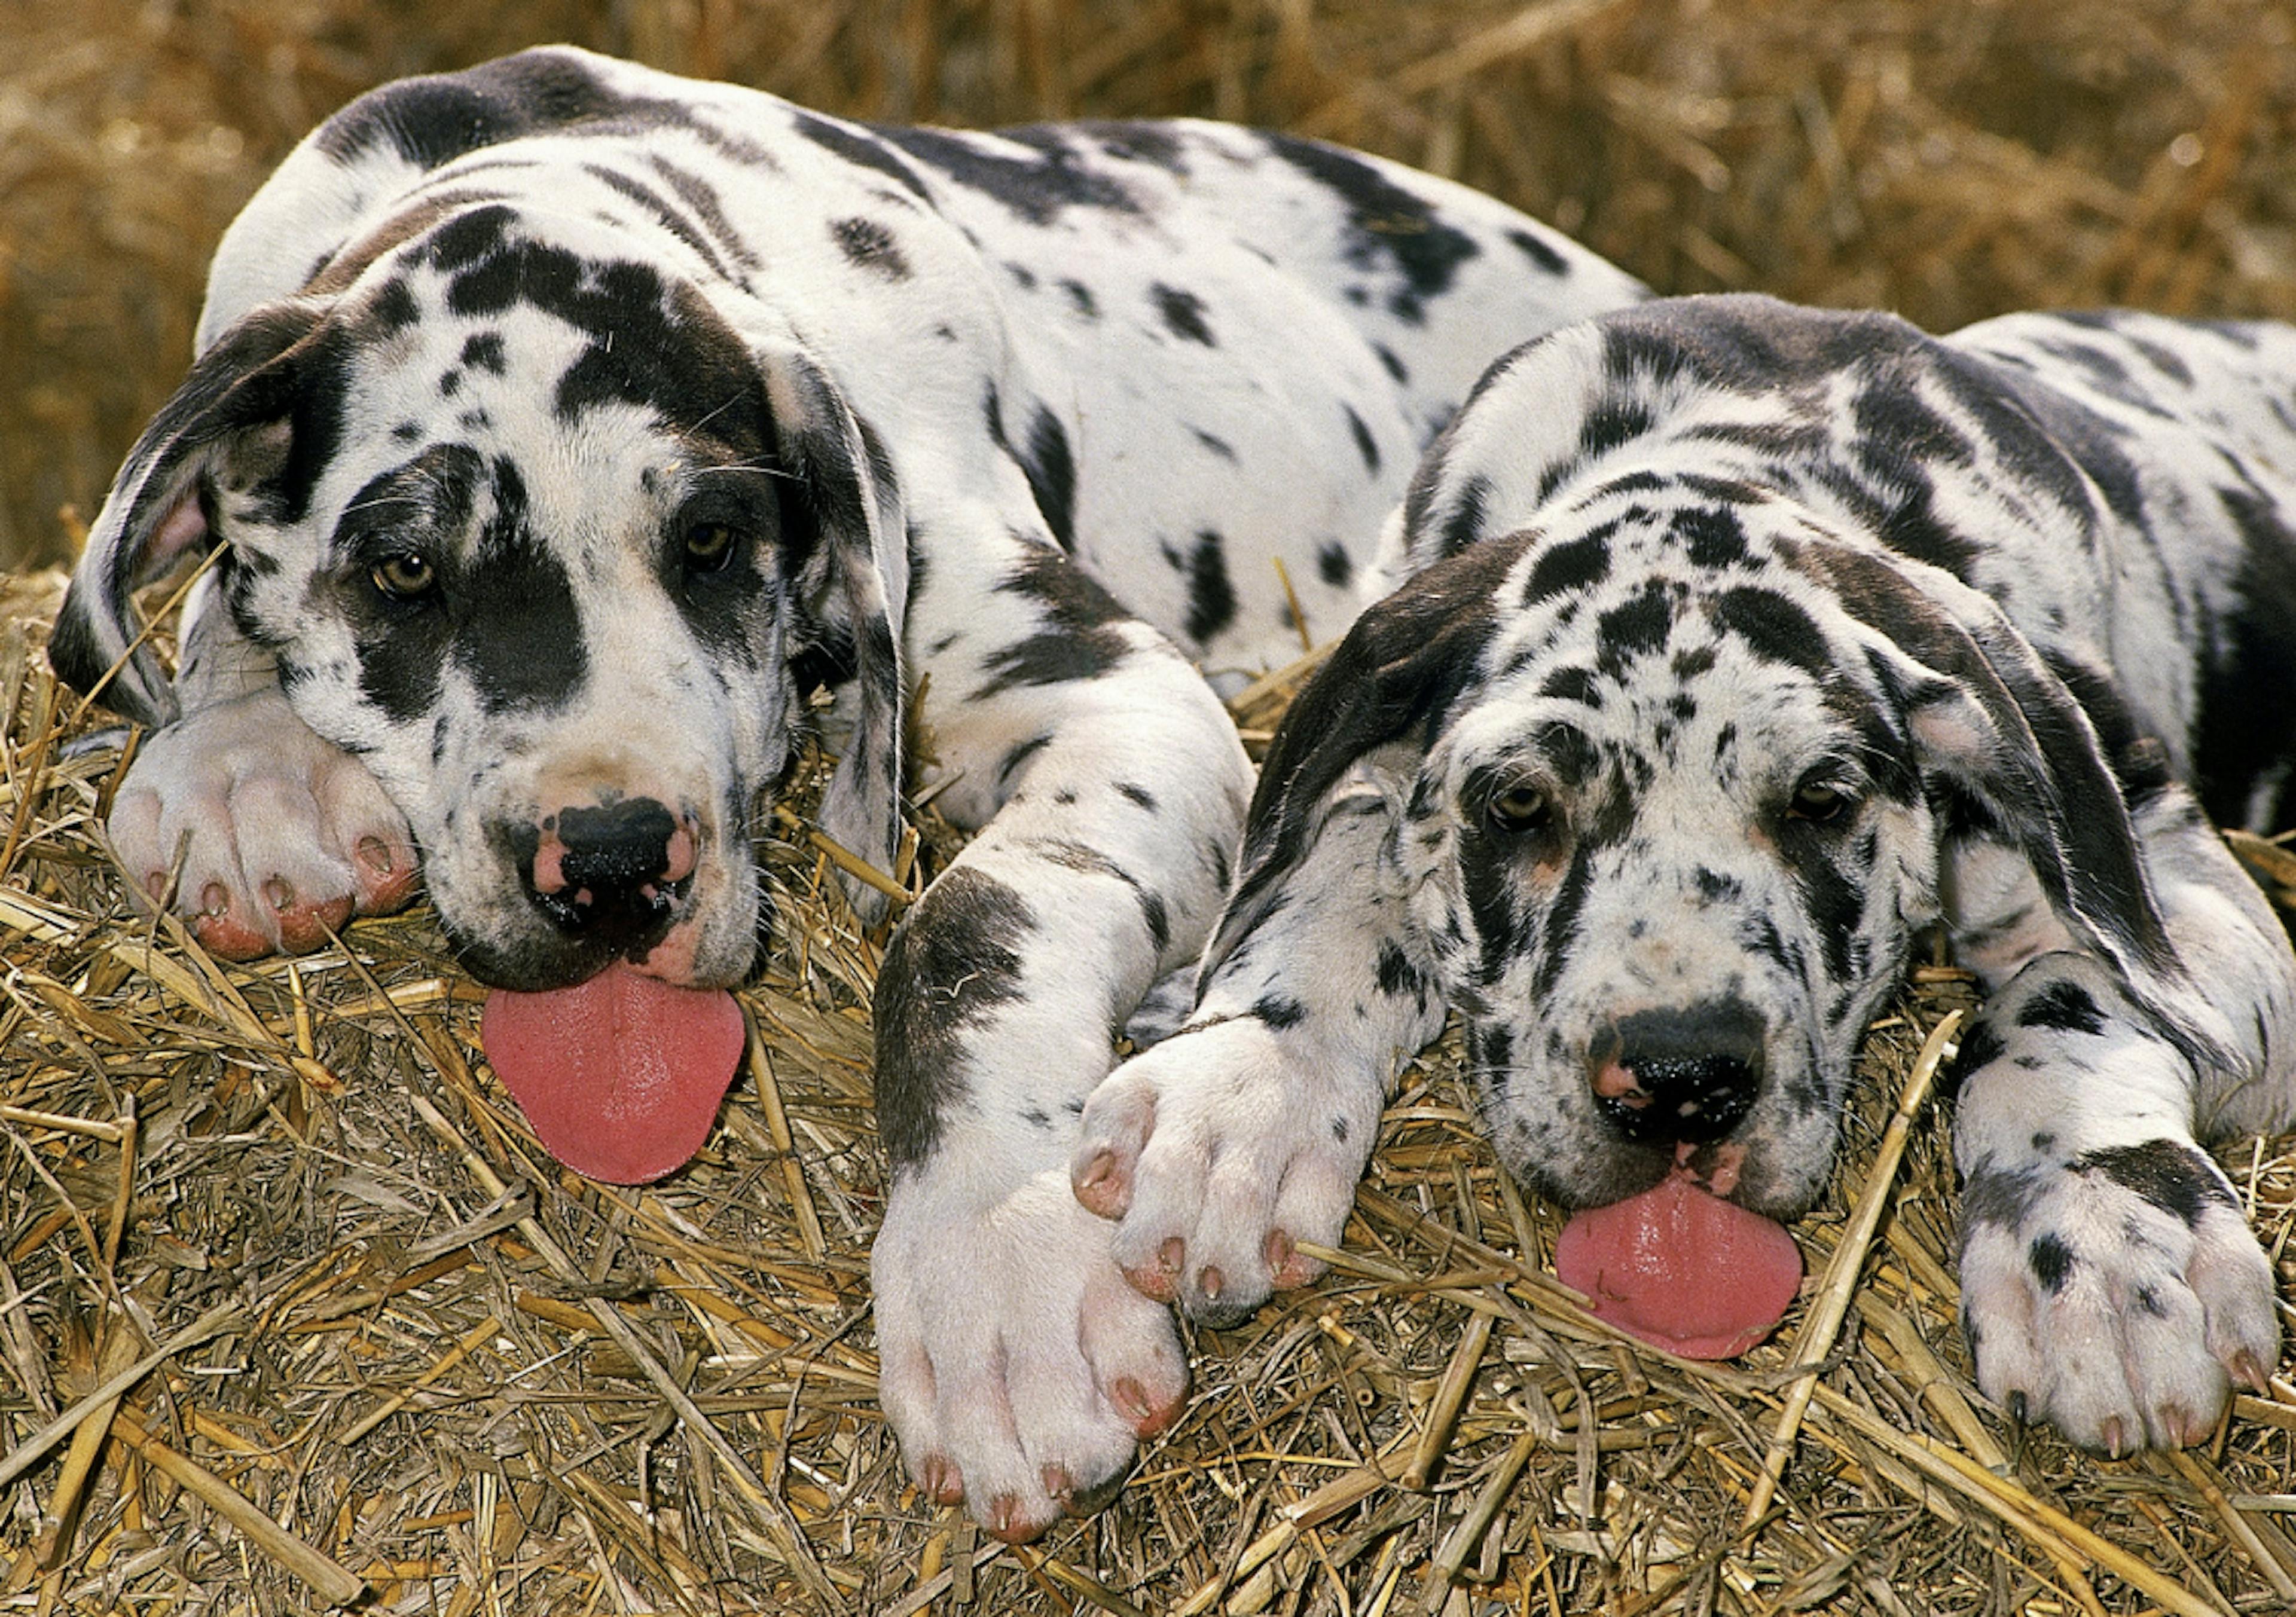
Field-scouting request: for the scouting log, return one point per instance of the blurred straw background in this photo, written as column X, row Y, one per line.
column 386, row 1356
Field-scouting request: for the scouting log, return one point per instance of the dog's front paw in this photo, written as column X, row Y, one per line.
column 1218, row 1151
column 2117, row 1296
column 1018, row 1368
column 282, row 835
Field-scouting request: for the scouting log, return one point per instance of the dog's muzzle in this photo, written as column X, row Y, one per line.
column 614, row 877
column 1688, row 1076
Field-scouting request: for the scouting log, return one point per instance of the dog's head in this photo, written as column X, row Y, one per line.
column 554, row 547
column 1677, row 754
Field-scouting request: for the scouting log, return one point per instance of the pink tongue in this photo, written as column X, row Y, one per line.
column 1683, row 1269
column 620, row 1076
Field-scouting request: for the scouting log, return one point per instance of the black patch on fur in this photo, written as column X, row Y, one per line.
column 700, row 195
column 653, row 344
column 394, row 309
column 1037, row 189
column 1775, row 628
column 1047, row 463
column 1019, row 755
column 1465, row 526
column 871, row 245
column 505, row 613
column 2052, row 442
column 1574, row 565
column 1833, row 898
column 433, row 119
column 402, row 646
column 1076, row 637
column 1611, row 423
column 2000, row 1199
column 1573, row 685
column 1397, row 974
column 1711, row 536
column 1561, row 929
column 1051, row 470
column 1387, row 225
column 950, row 966
column 1335, row 566
column 519, row 637
column 1211, row 596
column 1137, row 795
column 856, row 144
column 1633, row 628
column 2053, row 1262
column 2065, row 1007
column 1490, row 1053
column 2248, row 672
column 1280, row 1011
column 1980, row 1047
column 1081, row 856
column 663, row 214
column 484, row 352
column 1537, row 252
column 2171, row 1176
column 1365, row 446
column 1183, row 314
column 1131, row 140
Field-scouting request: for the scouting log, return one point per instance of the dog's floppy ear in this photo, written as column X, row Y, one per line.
column 852, row 581
column 156, row 512
column 1400, row 668
column 1999, row 726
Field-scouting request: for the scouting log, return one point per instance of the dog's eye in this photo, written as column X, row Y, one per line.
column 1817, row 804
column 1519, row 809
column 708, row 546
column 405, row 576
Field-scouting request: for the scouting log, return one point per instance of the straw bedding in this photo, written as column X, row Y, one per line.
column 295, row 1314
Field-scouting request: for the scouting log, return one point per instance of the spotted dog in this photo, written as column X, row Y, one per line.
column 566, row 435
column 1737, row 645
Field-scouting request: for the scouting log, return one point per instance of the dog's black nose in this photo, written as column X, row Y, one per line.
column 1681, row 1076
column 612, row 875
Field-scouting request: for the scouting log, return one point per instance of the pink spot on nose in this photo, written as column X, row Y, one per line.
column 549, row 864
column 1716, row 1167
column 1615, row 1082
column 681, row 853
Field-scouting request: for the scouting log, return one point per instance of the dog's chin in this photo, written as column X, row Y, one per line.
column 1597, row 1172
column 525, row 964
column 691, row 951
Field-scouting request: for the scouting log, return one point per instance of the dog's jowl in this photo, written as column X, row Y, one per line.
column 561, row 429
column 1738, row 645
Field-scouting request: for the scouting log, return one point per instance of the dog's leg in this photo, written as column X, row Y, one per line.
column 1018, row 1367
column 1244, row 1133
column 280, row 835
column 2110, row 1283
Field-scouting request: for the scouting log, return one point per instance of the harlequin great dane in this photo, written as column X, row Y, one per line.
column 1739, row 644
column 561, row 429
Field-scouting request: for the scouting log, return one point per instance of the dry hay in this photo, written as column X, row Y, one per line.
column 293, row 1311
column 378, row 1340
